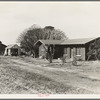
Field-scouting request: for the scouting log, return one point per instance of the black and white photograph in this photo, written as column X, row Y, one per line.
column 49, row 48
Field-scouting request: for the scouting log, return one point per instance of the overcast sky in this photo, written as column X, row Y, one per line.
column 76, row 19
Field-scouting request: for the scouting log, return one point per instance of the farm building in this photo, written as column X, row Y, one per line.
column 2, row 48
column 44, row 44
column 12, row 50
column 79, row 47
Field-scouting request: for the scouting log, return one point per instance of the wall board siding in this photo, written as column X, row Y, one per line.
column 76, row 51
column 41, row 48
column 68, row 52
column 82, row 53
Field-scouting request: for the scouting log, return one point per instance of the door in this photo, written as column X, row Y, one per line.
column 14, row 52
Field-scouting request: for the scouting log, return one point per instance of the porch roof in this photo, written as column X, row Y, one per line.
column 67, row 42
column 77, row 41
column 11, row 46
column 57, row 42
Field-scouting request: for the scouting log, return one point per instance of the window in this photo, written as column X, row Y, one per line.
column 78, row 51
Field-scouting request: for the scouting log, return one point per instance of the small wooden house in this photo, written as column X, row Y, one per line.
column 2, row 48
column 44, row 44
column 78, row 47
column 12, row 50
column 70, row 47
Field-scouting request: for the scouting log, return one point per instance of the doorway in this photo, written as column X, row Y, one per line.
column 14, row 52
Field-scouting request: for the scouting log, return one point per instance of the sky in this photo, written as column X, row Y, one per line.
column 76, row 19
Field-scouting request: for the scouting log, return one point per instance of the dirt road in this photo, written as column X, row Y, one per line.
column 27, row 77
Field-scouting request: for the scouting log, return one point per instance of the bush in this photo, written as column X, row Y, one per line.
column 65, row 56
column 99, row 56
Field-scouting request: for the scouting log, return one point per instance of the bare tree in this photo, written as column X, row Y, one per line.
column 28, row 37
column 53, row 34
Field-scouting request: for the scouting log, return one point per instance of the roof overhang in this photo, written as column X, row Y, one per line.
column 68, row 42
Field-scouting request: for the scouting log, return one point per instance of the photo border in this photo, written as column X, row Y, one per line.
column 7, row 97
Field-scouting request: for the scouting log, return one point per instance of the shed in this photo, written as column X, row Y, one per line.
column 44, row 44
column 12, row 50
column 2, row 48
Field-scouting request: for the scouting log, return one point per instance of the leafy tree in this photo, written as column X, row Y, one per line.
column 94, row 50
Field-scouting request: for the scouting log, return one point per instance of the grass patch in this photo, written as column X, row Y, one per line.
column 16, row 80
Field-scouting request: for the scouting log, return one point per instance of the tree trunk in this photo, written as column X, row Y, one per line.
column 50, row 57
column 33, row 52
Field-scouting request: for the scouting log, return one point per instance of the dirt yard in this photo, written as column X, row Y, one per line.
column 26, row 75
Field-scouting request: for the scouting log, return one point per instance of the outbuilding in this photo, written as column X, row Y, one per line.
column 2, row 48
column 43, row 46
column 12, row 50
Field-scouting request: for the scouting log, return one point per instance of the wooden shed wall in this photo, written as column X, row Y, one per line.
column 41, row 49
column 75, row 50
column 2, row 49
